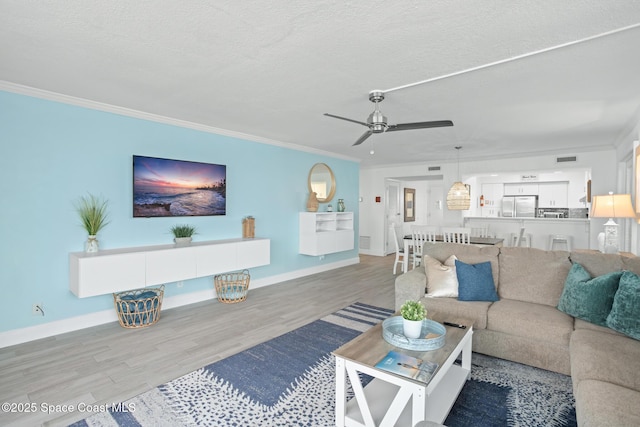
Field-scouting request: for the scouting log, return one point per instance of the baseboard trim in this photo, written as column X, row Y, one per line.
column 32, row 333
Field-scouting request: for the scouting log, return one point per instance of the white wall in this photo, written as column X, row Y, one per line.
column 603, row 164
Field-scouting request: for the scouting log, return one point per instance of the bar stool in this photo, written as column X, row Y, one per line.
column 521, row 239
column 560, row 239
column 525, row 241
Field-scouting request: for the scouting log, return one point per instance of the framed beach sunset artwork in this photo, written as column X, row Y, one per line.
column 165, row 187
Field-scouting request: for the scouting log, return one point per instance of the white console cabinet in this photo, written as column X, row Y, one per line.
column 118, row 270
column 325, row 232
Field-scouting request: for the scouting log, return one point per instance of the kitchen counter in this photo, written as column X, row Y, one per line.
column 540, row 229
column 502, row 218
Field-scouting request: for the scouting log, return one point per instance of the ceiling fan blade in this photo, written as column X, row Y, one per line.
column 419, row 125
column 344, row 118
column 364, row 136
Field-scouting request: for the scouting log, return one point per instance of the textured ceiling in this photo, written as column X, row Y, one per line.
column 271, row 69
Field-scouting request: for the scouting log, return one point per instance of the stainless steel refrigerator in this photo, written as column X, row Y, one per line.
column 519, row 206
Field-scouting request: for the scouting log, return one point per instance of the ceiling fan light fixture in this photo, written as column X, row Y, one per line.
column 377, row 122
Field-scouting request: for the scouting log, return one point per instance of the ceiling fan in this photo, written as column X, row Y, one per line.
column 377, row 122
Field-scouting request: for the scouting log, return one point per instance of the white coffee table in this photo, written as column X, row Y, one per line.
column 394, row 400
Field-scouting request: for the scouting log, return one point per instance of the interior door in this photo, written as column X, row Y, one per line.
column 393, row 213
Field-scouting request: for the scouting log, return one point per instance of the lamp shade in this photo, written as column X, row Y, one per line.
column 458, row 197
column 612, row 206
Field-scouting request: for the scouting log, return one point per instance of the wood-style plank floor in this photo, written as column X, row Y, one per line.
column 109, row 364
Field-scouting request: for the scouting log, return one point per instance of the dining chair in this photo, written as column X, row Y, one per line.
column 480, row 231
column 457, row 235
column 420, row 235
column 397, row 239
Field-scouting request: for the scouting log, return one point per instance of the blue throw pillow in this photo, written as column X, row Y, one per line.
column 588, row 298
column 475, row 282
column 625, row 313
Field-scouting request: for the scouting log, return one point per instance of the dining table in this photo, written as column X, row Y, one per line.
column 477, row 241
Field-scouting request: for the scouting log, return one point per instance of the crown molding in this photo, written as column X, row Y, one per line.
column 128, row 112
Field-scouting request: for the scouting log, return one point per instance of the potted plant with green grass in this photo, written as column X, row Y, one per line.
column 182, row 234
column 413, row 314
column 93, row 214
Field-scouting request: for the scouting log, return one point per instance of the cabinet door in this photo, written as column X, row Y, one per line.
column 215, row 259
column 553, row 195
column 172, row 265
column 521, row 189
column 254, row 253
column 105, row 274
column 492, row 193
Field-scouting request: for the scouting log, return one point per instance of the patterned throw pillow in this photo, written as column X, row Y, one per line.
column 588, row 298
column 625, row 312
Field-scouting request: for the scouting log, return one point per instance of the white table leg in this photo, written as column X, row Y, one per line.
column 466, row 355
column 405, row 258
column 341, row 392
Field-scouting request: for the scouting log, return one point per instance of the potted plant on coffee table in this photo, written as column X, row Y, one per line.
column 182, row 234
column 413, row 314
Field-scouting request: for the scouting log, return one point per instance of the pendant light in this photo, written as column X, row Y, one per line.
column 458, row 197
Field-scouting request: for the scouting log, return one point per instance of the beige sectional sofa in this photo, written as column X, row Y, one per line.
column 525, row 326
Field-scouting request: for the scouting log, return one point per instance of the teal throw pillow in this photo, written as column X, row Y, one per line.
column 475, row 282
column 588, row 298
column 625, row 313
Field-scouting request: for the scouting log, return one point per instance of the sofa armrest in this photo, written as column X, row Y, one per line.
column 411, row 285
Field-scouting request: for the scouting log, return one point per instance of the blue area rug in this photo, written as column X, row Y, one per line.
column 290, row 381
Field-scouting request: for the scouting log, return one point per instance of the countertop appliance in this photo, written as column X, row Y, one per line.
column 519, row 206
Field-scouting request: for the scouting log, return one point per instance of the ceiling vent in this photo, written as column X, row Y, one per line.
column 566, row 159
column 434, row 168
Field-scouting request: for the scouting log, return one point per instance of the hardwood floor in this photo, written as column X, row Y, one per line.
column 108, row 364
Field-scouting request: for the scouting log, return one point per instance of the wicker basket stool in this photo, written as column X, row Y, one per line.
column 232, row 287
column 138, row 308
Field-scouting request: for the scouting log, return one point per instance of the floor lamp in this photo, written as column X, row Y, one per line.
column 611, row 206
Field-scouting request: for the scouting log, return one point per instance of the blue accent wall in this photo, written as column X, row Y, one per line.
column 52, row 153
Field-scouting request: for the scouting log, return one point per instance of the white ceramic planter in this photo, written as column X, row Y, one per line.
column 412, row 328
column 181, row 241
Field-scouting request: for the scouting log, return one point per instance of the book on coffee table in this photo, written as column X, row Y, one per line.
column 407, row 366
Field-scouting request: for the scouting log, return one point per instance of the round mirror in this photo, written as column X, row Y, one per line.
column 322, row 181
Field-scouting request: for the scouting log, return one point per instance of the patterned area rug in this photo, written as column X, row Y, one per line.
column 290, row 381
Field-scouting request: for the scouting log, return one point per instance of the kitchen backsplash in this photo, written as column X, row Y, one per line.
column 579, row 213
column 562, row 213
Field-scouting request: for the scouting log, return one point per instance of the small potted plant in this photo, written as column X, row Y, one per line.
column 93, row 214
column 413, row 313
column 182, row 234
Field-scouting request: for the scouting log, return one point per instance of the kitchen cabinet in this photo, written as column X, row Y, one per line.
column 325, row 232
column 553, row 195
column 521, row 189
column 492, row 194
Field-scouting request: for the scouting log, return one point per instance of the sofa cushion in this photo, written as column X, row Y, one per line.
column 583, row 324
column 526, row 319
column 475, row 282
column 441, row 277
column 625, row 312
column 605, row 357
column 532, row 275
column 589, row 298
column 470, row 254
column 631, row 263
column 454, row 309
column 597, row 263
column 602, row 404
